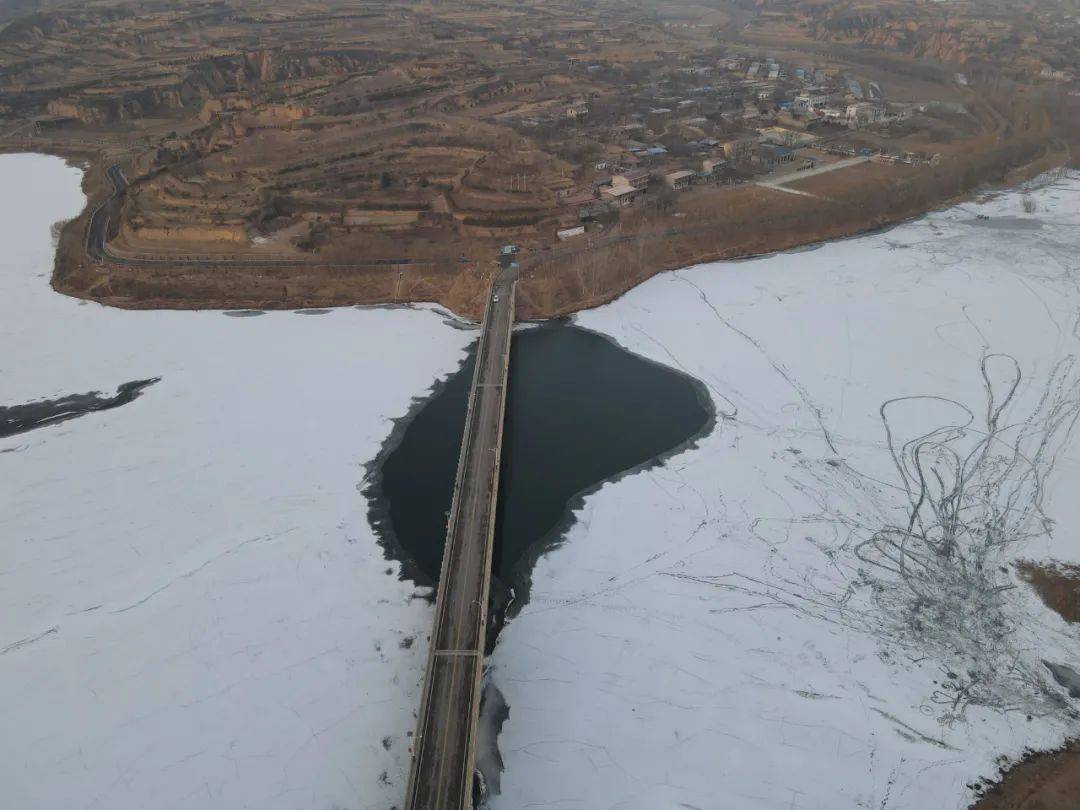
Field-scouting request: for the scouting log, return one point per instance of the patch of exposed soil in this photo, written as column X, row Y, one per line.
column 1043, row 781
column 1058, row 585
column 1048, row 780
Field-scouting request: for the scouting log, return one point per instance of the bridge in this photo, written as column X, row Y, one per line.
column 441, row 777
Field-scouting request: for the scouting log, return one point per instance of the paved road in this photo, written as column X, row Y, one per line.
column 443, row 749
column 824, row 168
column 97, row 231
column 781, row 183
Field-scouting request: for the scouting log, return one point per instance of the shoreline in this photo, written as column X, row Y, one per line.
column 1050, row 160
column 1045, row 775
column 545, row 297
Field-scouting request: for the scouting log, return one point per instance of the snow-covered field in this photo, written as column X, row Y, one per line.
column 193, row 609
column 784, row 618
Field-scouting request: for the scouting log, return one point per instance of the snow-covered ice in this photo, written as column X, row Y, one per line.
column 195, row 612
column 724, row 631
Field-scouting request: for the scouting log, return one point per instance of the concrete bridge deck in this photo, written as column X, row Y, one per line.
column 441, row 777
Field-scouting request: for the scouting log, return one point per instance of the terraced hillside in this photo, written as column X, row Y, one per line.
column 282, row 154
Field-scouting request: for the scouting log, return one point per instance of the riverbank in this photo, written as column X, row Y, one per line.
column 751, row 221
column 1048, row 780
column 1042, row 780
column 730, row 223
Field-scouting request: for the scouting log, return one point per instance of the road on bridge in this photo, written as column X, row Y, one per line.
column 444, row 746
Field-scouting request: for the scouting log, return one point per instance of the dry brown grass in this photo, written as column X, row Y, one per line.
column 1045, row 781
column 1058, row 585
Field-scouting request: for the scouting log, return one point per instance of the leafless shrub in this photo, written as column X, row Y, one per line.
column 972, row 490
column 919, row 560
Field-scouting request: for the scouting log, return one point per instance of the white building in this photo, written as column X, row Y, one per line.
column 863, row 113
column 578, row 110
column 783, row 136
column 809, row 101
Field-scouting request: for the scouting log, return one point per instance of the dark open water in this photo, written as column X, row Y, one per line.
column 581, row 411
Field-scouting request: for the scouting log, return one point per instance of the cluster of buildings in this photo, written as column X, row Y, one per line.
column 737, row 89
column 712, row 123
column 728, row 162
column 622, row 179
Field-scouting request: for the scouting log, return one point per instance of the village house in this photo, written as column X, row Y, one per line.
column 782, row 136
column 809, row 101
column 621, row 195
column 577, row 110
column 710, row 166
column 771, row 155
column 863, row 113
column 638, row 178
column 738, row 150
column 678, row 180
